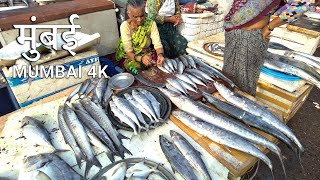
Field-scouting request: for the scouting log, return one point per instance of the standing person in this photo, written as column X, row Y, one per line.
column 247, row 31
column 167, row 15
column 137, row 33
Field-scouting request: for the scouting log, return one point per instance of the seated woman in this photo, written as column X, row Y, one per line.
column 137, row 32
column 167, row 15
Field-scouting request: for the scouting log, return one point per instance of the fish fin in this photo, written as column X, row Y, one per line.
column 110, row 156
column 88, row 167
column 126, row 150
column 96, row 162
column 78, row 158
column 121, row 136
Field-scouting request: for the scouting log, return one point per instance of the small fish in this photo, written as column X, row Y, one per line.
column 84, row 87
column 154, row 102
column 73, row 93
column 106, row 96
column 166, row 66
column 93, row 84
column 199, row 73
column 163, row 69
column 141, row 99
column 100, row 89
column 34, row 131
column 184, row 60
column 195, row 80
column 141, row 174
column 191, row 62
column 186, row 79
column 168, row 61
column 174, row 63
column 168, row 86
column 187, row 86
column 180, row 67
column 176, row 85
column 118, row 172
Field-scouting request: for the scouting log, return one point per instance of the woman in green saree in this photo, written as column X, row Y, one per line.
column 137, row 33
column 167, row 15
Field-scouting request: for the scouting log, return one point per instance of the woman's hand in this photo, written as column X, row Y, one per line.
column 160, row 60
column 174, row 20
column 146, row 60
column 266, row 33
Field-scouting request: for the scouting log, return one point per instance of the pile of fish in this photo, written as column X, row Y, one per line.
column 86, row 123
column 141, row 171
column 183, row 157
column 192, row 73
column 131, row 107
column 216, row 48
column 225, row 130
column 299, row 64
column 99, row 89
column 47, row 166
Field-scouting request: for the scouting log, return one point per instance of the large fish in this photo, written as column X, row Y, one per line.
column 314, row 58
column 144, row 102
column 205, row 113
column 186, row 79
column 40, row 160
column 191, row 154
column 154, row 102
column 221, row 136
column 177, row 161
column 103, row 120
column 214, row 71
column 254, row 108
column 127, row 109
column 247, row 118
column 93, row 126
column 81, row 137
column 302, row 58
column 279, row 66
column 68, row 137
column 133, row 102
column 34, row 131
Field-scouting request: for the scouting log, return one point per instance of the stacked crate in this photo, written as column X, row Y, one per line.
column 200, row 26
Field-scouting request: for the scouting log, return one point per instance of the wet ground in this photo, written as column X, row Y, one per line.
column 306, row 125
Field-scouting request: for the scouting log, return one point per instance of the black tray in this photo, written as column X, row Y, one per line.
column 165, row 106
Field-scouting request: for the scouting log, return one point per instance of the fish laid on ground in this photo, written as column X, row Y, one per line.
column 207, row 114
column 191, row 62
column 154, row 102
column 168, row 86
column 247, row 118
column 199, row 73
column 103, row 120
column 302, row 58
column 279, row 66
column 177, row 161
column 187, row 86
column 254, row 108
column 93, row 84
column 144, row 102
column 141, row 174
column 221, row 136
column 101, row 88
column 181, row 67
column 123, row 117
column 186, row 79
column 94, row 140
column 191, row 154
column 139, row 106
column 176, row 85
column 73, row 93
column 93, row 126
column 174, row 63
column 83, row 87
column 214, row 71
column 118, row 172
column 137, row 167
column 80, row 135
column 169, row 62
column 35, row 132
column 184, row 61
column 106, row 96
column 68, row 137
column 195, row 80
column 40, row 160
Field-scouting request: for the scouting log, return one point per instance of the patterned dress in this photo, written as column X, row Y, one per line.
column 174, row 44
column 245, row 50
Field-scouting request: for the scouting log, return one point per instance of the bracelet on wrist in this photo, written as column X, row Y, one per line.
column 269, row 27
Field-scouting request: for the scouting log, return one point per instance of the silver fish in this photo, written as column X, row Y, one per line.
column 144, row 102
column 100, row 89
column 137, row 167
column 314, row 58
column 141, row 174
column 123, row 117
column 168, row 61
column 127, row 109
column 254, row 108
column 163, row 69
column 279, row 66
column 174, row 63
column 191, row 62
column 34, row 131
column 180, row 67
column 176, row 85
column 84, row 87
column 97, row 142
column 154, row 102
column 302, row 58
column 186, row 86
column 221, row 136
column 207, row 114
column 118, row 172
column 191, row 154
column 184, row 60
column 73, row 93
column 195, row 80
column 106, row 96
column 68, row 137
column 81, row 137
column 58, row 169
column 186, row 79
column 177, row 161
column 93, row 84
column 167, row 67
column 168, row 86
column 133, row 102
column 199, row 73
column 93, row 126
column 103, row 120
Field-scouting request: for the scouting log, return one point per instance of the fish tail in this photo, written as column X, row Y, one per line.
column 88, row 167
column 125, row 150
column 282, row 164
column 110, row 156
column 96, row 162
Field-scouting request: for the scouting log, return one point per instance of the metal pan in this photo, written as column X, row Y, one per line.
column 132, row 161
column 121, row 81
